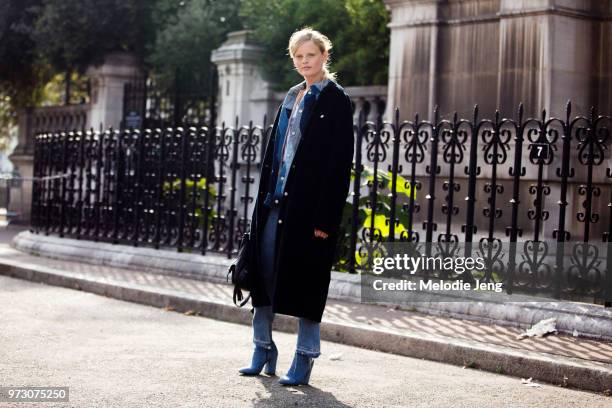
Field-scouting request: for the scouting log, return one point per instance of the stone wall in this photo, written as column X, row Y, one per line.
column 498, row 53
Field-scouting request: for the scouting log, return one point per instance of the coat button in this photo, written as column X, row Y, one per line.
column 322, row 116
column 286, row 193
column 276, row 201
column 280, row 221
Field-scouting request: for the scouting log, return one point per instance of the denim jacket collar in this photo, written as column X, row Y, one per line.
column 293, row 92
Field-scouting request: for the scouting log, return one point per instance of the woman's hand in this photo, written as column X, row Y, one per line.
column 320, row 234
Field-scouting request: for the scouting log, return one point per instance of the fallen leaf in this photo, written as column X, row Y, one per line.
column 336, row 356
column 540, row 329
column 530, row 383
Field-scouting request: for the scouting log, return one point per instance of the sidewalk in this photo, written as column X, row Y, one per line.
column 112, row 353
column 557, row 359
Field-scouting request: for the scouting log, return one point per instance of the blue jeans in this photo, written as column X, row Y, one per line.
column 309, row 334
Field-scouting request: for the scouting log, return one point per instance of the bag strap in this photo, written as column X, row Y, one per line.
column 229, row 272
column 238, row 296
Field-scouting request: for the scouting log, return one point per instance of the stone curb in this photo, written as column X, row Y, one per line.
column 588, row 320
column 565, row 371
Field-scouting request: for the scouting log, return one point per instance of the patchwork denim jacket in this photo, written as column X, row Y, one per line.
column 291, row 126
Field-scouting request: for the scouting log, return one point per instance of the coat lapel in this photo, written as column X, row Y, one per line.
column 310, row 104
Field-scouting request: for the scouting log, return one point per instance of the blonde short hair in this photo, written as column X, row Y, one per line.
column 320, row 40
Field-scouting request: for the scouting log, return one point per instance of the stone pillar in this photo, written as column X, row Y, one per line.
column 605, row 64
column 550, row 52
column 107, row 85
column 498, row 53
column 243, row 95
column 242, row 91
column 23, row 166
column 106, row 108
column 413, row 58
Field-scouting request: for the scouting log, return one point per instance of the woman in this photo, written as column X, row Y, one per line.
column 304, row 183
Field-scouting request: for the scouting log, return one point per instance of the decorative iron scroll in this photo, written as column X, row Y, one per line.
column 433, row 184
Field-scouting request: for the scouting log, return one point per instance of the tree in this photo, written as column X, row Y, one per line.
column 41, row 38
column 74, row 34
column 358, row 29
column 185, row 38
column 365, row 52
column 22, row 73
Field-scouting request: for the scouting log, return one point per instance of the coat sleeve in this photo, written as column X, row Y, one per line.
column 336, row 178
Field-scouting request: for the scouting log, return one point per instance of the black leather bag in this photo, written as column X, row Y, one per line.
column 240, row 276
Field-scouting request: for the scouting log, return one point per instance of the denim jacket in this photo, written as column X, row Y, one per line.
column 291, row 126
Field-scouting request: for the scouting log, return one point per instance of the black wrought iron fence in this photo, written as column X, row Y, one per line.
column 483, row 182
column 148, row 105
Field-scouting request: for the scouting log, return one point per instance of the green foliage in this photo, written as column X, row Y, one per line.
column 40, row 39
column 365, row 44
column 357, row 28
column 383, row 198
column 6, row 122
column 73, row 34
column 185, row 38
column 21, row 73
column 21, row 70
column 173, row 189
column 54, row 91
column 379, row 221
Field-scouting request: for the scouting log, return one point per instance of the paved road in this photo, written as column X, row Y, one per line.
column 114, row 353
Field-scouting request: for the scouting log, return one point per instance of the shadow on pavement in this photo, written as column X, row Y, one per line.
column 303, row 395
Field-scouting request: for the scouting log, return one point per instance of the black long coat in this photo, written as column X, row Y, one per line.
column 315, row 191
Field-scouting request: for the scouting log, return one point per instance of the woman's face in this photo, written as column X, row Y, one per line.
column 308, row 61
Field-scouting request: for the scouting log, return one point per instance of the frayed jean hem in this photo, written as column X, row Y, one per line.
column 308, row 353
column 263, row 344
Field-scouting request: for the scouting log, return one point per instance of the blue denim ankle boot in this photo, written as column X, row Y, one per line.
column 300, row 370
column 262, row 356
